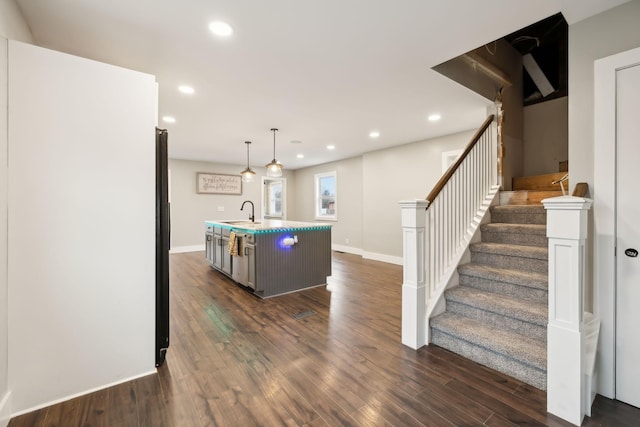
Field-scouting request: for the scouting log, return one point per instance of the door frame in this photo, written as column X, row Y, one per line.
column 604, row 210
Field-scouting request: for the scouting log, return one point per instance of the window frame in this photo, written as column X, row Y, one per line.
column 319, row 216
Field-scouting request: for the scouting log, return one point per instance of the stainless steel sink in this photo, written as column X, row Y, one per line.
column 241, row 222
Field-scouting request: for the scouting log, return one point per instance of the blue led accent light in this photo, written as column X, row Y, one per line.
column 281, row 244
column 270, row 230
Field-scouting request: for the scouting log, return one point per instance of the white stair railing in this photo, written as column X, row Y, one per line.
column 436, row 241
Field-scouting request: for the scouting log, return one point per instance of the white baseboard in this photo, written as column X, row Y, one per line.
column 398, row 260
column 368, row 255
column 5, row 409
column 93, row 390
column 347, row 249
column 183, row 249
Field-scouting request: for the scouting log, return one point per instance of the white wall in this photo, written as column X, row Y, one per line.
column 82, row 225
column 189, row 209
column 399, row 173
column 600, row 36
column 346, row 232
column 12, row 26
column 546, row 136
column 603, row 35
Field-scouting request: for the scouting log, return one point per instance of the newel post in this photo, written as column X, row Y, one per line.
column 414, row 292
column 567, row 218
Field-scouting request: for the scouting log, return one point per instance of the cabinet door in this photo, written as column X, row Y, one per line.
column 217, row 251
column 226, row 257
column 250, row 254
column 208, row 246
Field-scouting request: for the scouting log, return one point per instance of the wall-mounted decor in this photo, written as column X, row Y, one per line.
column 217, row 183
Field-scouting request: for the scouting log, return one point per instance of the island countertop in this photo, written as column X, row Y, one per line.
column 268, row 225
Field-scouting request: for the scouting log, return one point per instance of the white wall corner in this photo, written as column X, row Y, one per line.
column 5, row 409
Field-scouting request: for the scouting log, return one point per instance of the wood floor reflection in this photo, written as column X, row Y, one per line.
column 237, row 360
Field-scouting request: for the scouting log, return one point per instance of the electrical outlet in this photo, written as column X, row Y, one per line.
column 220, row 208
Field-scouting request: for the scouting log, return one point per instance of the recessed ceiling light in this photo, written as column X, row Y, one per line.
column 221, row 29
column 374, row 134
column 331, row 147
column 434, row 117
column 168, row 119
column 300, row 156
column 188, row 90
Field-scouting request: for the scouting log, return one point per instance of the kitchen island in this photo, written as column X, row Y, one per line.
column 270, row 257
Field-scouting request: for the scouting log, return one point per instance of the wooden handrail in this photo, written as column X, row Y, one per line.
column 452, row 169
column 581, row 189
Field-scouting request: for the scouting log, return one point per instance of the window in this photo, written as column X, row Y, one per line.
column 273, row 197
column 326, row 196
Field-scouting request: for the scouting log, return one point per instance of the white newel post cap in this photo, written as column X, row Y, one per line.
column 567, row 216
column 413, row 213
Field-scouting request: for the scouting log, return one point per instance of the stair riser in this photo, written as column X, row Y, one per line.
column 526, row 373
column 530, row 330
column 515, row 218
column 505, row 288
column 511, row 262
column 515, row 239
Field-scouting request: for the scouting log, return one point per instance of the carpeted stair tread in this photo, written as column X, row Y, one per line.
column 518, row 209
column 497, row 227
column 515, row 234
column 520, row 214
column 518, row 347
column 514, row 308
column 518, row 277
column 511, row 250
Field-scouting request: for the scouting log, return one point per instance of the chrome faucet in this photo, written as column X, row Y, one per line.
column 252, row 217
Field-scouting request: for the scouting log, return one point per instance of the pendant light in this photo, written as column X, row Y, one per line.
column 274, row 169
column 248, row 173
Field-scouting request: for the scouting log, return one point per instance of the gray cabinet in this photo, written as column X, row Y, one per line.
column 250, row 254
column 244, row 265
column 221, row 257
column 217, row 253
column 209, row 246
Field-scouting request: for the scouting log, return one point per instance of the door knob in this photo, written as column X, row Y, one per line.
column 631, row 252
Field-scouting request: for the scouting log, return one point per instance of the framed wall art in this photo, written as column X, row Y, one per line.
column 217, row 183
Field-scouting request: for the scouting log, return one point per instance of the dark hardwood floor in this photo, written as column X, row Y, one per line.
column 236, row 360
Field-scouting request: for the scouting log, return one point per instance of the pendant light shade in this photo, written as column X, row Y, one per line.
column 274, row 169
column 248, row 173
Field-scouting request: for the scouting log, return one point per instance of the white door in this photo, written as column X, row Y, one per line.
column 628, row 236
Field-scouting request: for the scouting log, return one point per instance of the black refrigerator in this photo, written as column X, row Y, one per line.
column 162, row 246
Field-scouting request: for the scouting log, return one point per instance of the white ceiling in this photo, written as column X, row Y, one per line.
column 323, row 72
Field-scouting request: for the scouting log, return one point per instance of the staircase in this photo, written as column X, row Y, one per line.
column 498, row 315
